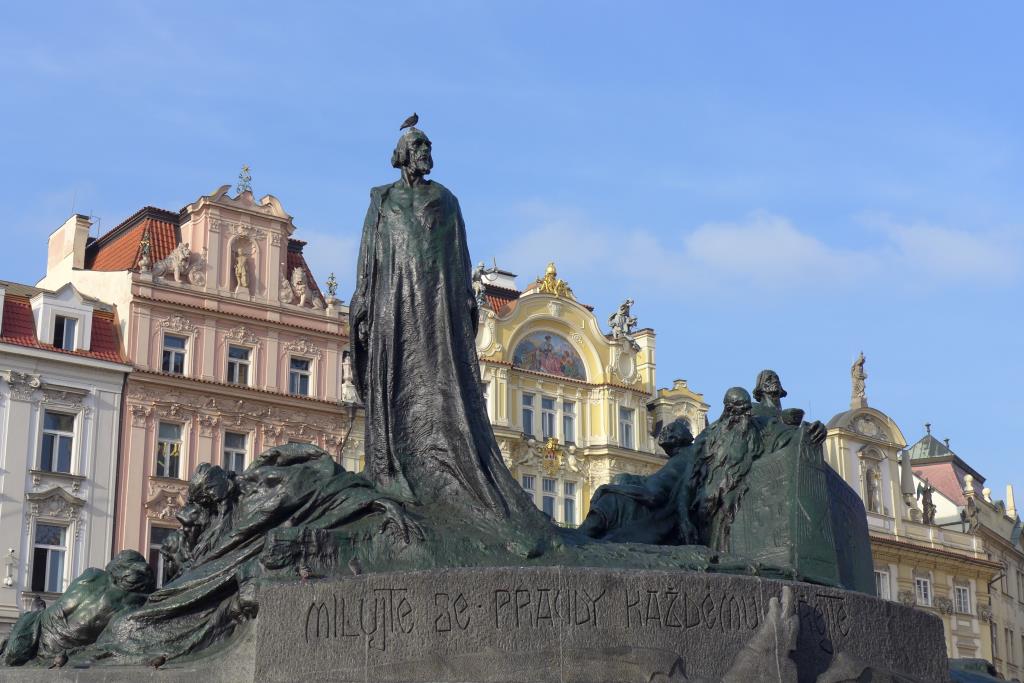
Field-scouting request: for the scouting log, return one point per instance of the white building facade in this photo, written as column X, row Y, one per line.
column 61, row 380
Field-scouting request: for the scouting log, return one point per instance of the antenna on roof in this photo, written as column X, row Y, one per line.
column 74, row 200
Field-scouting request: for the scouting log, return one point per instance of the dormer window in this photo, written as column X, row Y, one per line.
column 64, row 332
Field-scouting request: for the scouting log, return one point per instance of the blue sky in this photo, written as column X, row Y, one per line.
column 775, row 184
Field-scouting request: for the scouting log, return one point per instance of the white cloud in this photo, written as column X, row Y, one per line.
column 763, row 252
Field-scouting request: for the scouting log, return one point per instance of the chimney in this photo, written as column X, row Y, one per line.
column 68, row 240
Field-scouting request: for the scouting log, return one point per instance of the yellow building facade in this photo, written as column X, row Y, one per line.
column 939, row 566
column 571, row 405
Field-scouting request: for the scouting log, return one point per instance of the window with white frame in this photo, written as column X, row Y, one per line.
column 549, row 490
column 174, row 354
column 157, row 536
column 569, row 421
column 298, row 377
column 64, row 332
column 234, row 452
column 547, row 417
column 238, row 364
column 58, row 441
column 883, row 588
column 569, row 503
column 626, row 422
column 49, row 551
column 530, row 485
column 168, row 450
column 528, row 414
column 923, row 589
column 962, row 599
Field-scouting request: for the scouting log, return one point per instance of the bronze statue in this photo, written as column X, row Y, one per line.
column 414, row 314
column 81, row 613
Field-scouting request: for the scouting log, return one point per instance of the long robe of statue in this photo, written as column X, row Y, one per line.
column 414, row 321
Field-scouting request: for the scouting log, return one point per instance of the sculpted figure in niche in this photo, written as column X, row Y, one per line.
column 81, row 613
column 241, row 269
column 414, row 315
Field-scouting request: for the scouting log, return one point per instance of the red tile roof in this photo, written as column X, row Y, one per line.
column 19, row 328
column 297, row 260
column 945, row 479
column 499, row 297
column 120, row 248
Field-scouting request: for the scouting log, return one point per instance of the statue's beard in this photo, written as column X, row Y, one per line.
column 421, row 165
column 739, row 418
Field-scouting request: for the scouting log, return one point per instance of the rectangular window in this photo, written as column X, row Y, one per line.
column 569, row 503
column 168, row 450
column 626, row 427
column 298, row 377
column 58, row 438
column 547, row 417
column 174, row 354
column 529, row 485
column 882, row 588
column 1009, row 646
column 157, row 536
column 234, row 452
column 994, row 633
column 238, row 365
column 528, row 414
column 962, row 599
column 923, row 587
column 569, row 421
column 48, row 553
column 548, row 501
column 64, row 332
column 485, row 391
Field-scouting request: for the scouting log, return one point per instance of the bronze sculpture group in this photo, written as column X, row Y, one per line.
column 436, row 491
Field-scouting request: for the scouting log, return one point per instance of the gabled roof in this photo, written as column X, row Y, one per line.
column 499, row 297
column 120, row 248
column 19, row 327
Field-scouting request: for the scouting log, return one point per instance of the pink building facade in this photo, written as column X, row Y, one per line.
column 234, row 348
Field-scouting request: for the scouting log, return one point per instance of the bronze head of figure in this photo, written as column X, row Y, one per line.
column 412, row 156
column 769, row 387
column 675, row 436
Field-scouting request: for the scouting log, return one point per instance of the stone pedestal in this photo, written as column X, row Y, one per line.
column 551, row 624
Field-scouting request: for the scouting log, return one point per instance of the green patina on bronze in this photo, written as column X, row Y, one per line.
column 750, row 494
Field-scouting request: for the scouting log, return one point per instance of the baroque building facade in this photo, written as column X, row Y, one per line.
column 61, row 380
column 571, row 405
column 924, row 555
column 234, row 348
column 962, row 499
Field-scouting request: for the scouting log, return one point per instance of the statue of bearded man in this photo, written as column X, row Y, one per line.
column 414, row 317
column 729, row 448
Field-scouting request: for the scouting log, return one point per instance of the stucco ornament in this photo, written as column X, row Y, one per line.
column 300, row 286
column 284, row 288
column 178, row 323
column 23, row 384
